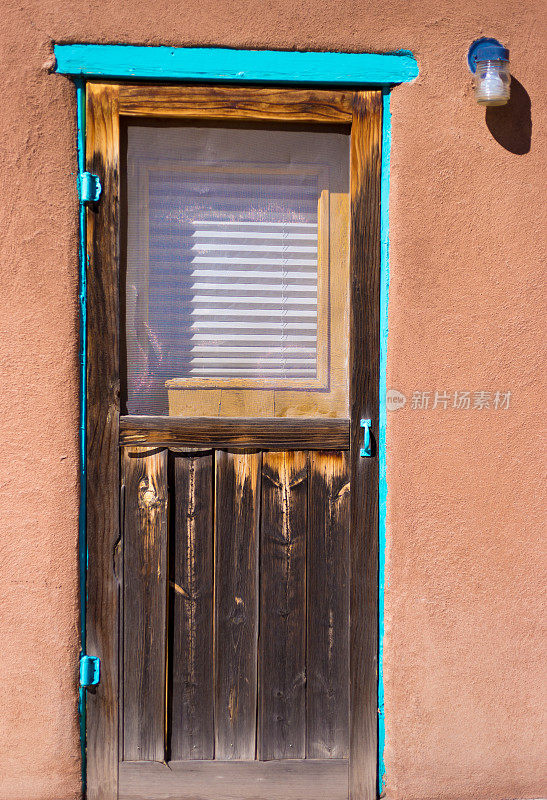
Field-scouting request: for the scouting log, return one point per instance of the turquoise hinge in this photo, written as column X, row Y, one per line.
column 366, row 450
column 89, row 187
column 90, row 671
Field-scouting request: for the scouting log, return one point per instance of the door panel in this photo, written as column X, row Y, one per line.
column 249, row 621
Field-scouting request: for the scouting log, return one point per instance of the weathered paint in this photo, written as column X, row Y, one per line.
column 224, row 64
column 90, row 671
column 82, row 359
column 384, row 300
column 89, row 187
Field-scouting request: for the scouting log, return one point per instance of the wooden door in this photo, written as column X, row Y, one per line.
column 232, row 580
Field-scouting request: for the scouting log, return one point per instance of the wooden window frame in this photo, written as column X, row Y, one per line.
column 363, row 110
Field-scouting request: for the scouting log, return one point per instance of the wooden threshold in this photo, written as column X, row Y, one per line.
column 261, row 433
column 290, row 779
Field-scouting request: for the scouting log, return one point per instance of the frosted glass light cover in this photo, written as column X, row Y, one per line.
column 492, row 83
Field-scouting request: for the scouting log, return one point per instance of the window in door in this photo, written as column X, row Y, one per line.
column 236, row 286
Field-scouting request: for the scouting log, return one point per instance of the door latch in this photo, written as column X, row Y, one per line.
column 90, row 671
column 366, row 450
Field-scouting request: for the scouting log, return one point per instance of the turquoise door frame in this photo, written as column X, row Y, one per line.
column 222, row 65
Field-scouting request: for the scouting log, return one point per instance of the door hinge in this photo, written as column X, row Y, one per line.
column 90, row 671
column 89, row 187
column 366, row 450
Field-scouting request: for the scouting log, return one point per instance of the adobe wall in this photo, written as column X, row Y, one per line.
column 463, row 614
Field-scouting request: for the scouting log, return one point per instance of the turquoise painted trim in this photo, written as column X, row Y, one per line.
column 82, row 301
column 222, row 64
column 384, row 299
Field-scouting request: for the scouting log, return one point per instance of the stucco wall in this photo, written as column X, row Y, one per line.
column 463, row 618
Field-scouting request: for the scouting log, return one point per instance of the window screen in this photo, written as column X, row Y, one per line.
column 228, row 274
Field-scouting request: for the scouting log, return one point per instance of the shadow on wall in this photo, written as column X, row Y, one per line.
column 511, row 125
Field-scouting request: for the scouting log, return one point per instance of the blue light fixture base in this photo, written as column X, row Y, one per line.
column 486, row 49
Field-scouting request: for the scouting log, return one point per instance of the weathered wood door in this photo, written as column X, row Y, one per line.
column 232, row 519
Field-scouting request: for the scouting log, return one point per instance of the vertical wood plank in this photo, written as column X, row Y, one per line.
column 144, row 603
column 191, row 605
column 237, row 513
column 103, row 412
column 282, row 679
column 327, row 691
column 365, row 167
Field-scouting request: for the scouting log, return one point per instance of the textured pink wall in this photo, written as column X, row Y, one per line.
column 463, row 616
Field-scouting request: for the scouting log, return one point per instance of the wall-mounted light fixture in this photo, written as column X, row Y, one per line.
column 489, row 61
